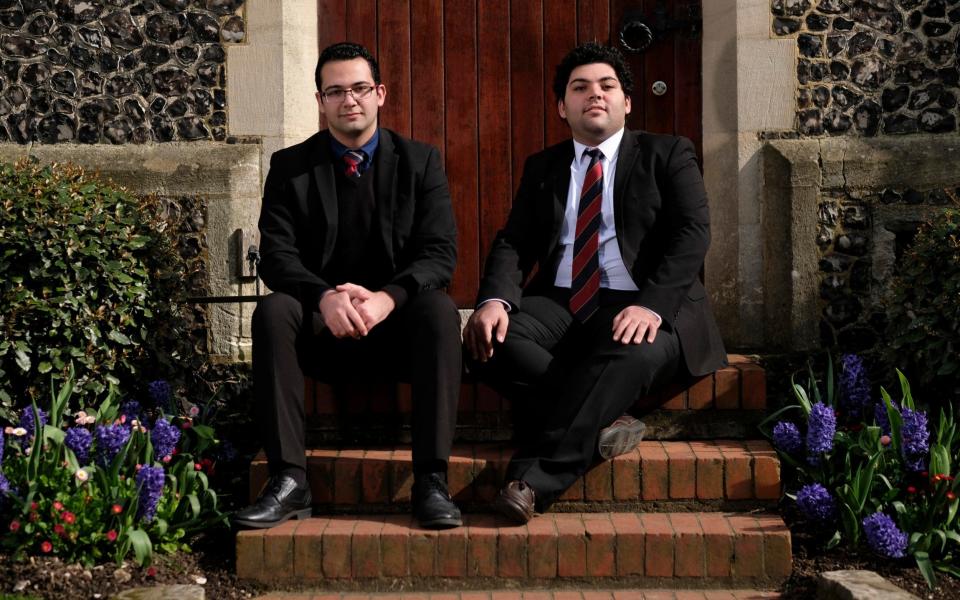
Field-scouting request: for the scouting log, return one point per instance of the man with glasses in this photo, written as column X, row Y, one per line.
column 616, row 222
column 358, row 243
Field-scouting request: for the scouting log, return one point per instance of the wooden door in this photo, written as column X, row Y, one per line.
column 474, row 78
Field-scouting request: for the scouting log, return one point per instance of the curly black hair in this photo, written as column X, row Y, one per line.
column 346, row 51
column 586, row 54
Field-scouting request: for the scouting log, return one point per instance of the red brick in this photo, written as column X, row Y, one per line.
column 601, row 553
column 258, row 475
column 423, row 552
column 512, row 552
column 365, row 548
column 452, row 552
column 777, row 555
column 250, row 554
column 320, row 474
column 374, row 478
column 567, row 596
column 336, row 546
column 626, row 476
column 474, row 596
column 401, row 475
column 766, row 470
column 700, row 394
column 278, row 551
column 683, row 470
column 709, row 470
column 719, row 595
column 537, row 596
column 659, row 545
column 588, row 595
column 574, row 493
column 482, row 546
column 598, row 482
column 631, row 539
column 688, row 539
column 503, row 595
column 718, row 543
column 747, row 546
column 308, row 549
column 676, row 398
column 487, row 478
column 658, row 595
column 738, row 470
column 571, row 546
column 754, row 383
column 460, row 473
column 393, row 545
column 542, row 548
column 628, row 595
column 654, row 471
column 346, row 474
column 727, row 388
column 689, row 595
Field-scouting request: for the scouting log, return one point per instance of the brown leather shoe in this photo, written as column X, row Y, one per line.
column 515, row 501
column 620, row 437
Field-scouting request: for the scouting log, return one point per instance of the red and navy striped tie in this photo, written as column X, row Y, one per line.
column 354, row 158
column 585, row 277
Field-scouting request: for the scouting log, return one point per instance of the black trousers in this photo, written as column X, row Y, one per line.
column 418, row 342
column 578, row 380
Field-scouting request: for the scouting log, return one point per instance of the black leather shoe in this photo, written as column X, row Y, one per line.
column 516, row 501
column 280, row 500
column 432, row 504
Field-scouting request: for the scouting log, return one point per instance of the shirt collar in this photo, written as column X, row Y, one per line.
column 369, row 148
column 609, row 146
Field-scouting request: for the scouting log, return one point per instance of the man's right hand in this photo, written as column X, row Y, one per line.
column 340, row 316
column 486, row 322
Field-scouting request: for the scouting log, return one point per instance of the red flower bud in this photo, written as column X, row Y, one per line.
column 69, row 518
column 14, row 525
column 197, row 466
column 59, row 529
column 58, row 505
column 951, row 496
column 151, row 571
column 911, row 489
column 33, row 506
column 186, row 425
column 116, row 509
column 46, row 547
column 111, row 536
column 885, row 440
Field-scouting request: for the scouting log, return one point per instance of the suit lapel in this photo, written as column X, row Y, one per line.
column 327, row 188
column 560, row 174
column 385, row 161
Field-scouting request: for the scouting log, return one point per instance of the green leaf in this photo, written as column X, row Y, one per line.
column 23, row 360
column 926, row 568
column 119, row 337
column 44, row 367
column 142, row 547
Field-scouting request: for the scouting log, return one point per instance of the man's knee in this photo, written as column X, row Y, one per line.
column 433, row 312
column 275, row 310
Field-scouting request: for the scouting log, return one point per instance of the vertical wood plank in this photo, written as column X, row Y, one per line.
column 493, row 25
column 618, row 9
column 331, row 28
column 559, row 37
column 688, row 79
column 362, row 24
column 593, row 21
column 659, row 60
column 460, row 51
column 393, row 34
column 526, row 81
column 427, row 71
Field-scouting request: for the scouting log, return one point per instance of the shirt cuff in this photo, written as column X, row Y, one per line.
column 506, row 305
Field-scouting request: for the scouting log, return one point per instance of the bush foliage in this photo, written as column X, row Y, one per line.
column 89, row 275
column 924, row 308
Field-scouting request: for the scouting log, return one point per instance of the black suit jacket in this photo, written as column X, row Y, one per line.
column 299, row 218
column 663, row 231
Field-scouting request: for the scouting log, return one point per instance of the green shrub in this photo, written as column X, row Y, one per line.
column 924, row 309
column 89, row 275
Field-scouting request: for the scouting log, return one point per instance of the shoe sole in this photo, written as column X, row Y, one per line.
column 443, row 523
column 621, row 440
column 304, row 513
column 512, row 511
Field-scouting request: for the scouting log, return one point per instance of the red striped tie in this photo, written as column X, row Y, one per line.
column 353, row 159
column 585, row 276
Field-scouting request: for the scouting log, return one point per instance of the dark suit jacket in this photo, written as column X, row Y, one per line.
column 299, row 217
column 663, row 230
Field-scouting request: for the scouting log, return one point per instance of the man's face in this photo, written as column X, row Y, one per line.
column 594, row 106
column 351, row 120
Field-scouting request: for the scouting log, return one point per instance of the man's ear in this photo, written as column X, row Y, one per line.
column 562, row 109
column 320, row 105
column 627, row 105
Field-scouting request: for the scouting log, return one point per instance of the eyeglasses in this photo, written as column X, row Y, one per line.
column 358, row 92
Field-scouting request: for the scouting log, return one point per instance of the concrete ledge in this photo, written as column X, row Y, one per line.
column 858, row 585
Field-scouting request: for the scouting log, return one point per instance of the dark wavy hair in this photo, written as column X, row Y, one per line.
column 586, row 54
column 346, row 51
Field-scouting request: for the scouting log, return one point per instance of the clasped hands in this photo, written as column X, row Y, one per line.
column 632, row 325
column 351, row 310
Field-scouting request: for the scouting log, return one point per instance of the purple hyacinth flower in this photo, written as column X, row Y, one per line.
column 79, row 439
column 150, row 486
column 26, row 420
column 821, row 427
column 2, row 442
column 131, row 410
column 882, row 418
column 110, row 439
column 915, row 439
column 854, row 385
column 160, row 392
column 4, row 490
column 816, row 503
column 786, row 437
column 164, row 437
column 883, row 535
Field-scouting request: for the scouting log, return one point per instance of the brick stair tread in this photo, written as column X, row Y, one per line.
column 712, row 471
column 534, row 594
column 666, row 548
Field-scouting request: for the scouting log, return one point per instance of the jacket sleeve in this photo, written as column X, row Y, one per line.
column 687, row 233
column 281, row 266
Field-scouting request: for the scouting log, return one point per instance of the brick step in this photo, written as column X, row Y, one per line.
column 673, row 550
column 534, row 594
column 720, row 474
column 727, row 403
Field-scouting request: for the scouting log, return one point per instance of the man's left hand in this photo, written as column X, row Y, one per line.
column 634, row 324
column 373, row 307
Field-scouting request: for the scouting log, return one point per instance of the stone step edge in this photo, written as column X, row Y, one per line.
column 651, row 547
column 535, row 594
column 739, row 386
column 729, row 470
